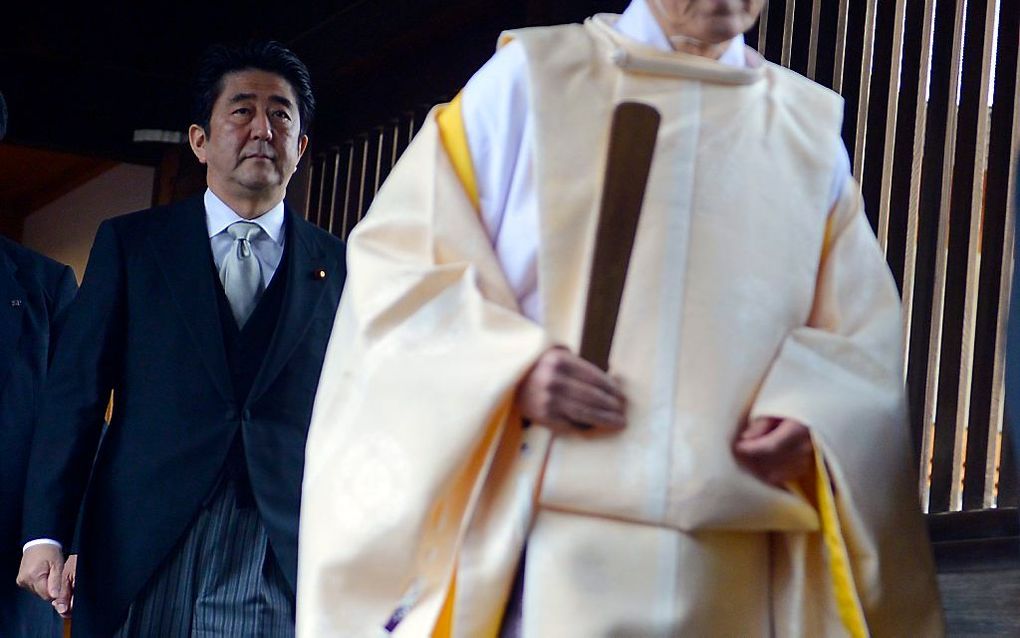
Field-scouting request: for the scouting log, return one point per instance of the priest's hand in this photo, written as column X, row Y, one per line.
column 564, row 392
column 42, row 567
column 64, row 602
column 775, row 450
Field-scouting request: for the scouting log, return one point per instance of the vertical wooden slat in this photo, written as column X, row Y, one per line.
column 946, row 313
column 308, row 189
column 763, row 27
column 346, row 152
column 362, row 180
column 352, row 199
column 353, row 212
column 891, row 112
column 788, row 24
column 841, row 44
column 333, row 180
column 315, row 176
column 387, row 151
column 395, row 151
column 864, row 91
column 371, row 170
column 379, row 154
column 322, row 201
column 975, row 381
column 916, row 282
column 816, row 16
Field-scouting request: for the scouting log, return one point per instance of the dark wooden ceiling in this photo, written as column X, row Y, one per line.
column 82, row 77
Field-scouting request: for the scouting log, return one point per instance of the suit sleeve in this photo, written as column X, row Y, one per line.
column 85, row 365
column 62, row 294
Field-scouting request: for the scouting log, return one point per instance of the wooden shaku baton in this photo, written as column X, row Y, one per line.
column 631, row 147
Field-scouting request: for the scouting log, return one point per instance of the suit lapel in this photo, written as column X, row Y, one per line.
column 300, row 299
column 12, row 313
column 182, row 244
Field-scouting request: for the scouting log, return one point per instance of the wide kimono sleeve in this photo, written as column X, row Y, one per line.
column 842, row 375
column 417, row 385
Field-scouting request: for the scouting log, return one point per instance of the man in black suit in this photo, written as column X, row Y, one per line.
column 34, row 292
column 208, row 320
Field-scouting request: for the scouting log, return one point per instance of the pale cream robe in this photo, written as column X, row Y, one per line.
column 742, row 299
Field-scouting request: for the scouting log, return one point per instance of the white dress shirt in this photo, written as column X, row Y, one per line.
column 268, row 249
column 500, row 133
column 268, row 246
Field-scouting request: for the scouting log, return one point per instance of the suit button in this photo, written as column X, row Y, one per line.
column 246, row 416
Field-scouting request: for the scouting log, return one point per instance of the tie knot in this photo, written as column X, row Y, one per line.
column 244, row 230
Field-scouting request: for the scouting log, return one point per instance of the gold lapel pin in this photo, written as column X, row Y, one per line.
column 319, row 273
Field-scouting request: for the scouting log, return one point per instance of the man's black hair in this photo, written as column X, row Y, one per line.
column 270, row 56
column 3, row 117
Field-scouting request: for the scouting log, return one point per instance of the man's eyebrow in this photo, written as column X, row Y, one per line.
column 276, row 99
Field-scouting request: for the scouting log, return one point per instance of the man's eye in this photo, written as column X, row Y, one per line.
column 242, row 111
column 283, row 114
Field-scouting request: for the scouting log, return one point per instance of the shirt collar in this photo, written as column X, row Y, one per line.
column 639, row 24
column 218, row 216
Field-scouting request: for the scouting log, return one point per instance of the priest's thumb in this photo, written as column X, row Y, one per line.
column 759, row 426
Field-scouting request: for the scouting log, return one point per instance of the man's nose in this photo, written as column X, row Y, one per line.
column 260, row 128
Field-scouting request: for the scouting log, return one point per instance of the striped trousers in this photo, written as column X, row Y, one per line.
column 221, row 581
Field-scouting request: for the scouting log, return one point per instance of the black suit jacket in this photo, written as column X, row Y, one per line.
column 146, row 325
column 34, row 292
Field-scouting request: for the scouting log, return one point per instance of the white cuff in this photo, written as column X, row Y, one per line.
column 41, row 541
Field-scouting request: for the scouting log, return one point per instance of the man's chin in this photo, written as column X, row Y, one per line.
column 724, row 29
column 260, row 180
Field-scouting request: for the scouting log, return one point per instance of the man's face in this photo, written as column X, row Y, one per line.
column 254, row 139
column 709, row 21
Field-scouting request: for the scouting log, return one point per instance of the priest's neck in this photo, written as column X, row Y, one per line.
column 693, row 46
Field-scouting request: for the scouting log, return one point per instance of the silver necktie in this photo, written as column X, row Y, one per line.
column 241, row 272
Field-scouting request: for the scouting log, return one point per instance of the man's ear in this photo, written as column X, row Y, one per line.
column 198, row 138
column 301, row 146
